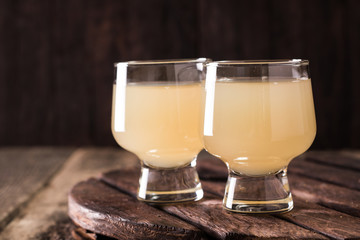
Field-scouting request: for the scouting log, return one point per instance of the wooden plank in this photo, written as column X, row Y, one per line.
column 336, row 197
column 125, row 180
column 209, row 215
column 335, row 158
column 102, row 209
column 317, row 191
column 50, row 76
column 339, row 176
column 339, row 198
column 49, row 207
column 23, row 172
column 324, row 220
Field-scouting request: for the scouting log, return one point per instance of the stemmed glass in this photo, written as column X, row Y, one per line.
column 155, row 114
column 258, row 116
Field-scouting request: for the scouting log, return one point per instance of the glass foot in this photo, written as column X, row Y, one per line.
column 267, row 194
column 162, row 186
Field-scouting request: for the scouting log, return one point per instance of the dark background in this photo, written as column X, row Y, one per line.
column 56, row 58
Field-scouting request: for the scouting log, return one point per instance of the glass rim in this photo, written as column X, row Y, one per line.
column 163, row 61
column 273, row 62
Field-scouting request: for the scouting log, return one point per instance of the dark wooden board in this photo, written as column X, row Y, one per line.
column 336, row 158
column 43, row 214
column 326, row 173
column 327, row 194
column 126, row 181
column 326, row 221
column 329, row 222
column 102, row 209
column 23, row 172
column 209, row 215
column 322, row 209
column 323, row 220
column 332, row 196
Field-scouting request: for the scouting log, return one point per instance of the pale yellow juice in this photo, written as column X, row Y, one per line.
column 257, row 128
column 159, row 122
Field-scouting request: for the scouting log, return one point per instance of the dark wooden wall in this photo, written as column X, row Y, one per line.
column 56, row 57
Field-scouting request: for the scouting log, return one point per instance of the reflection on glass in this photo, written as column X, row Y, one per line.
column 258, row 116
column 156, row 116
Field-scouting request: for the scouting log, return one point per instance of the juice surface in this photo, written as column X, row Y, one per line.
column 257, row 128
column 161, row 123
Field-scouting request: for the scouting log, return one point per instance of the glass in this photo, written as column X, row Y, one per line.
column 258, row 116
column 155, row 115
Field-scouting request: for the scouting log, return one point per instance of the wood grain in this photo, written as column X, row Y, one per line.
column 309, row 186
column 45, row 214
column 326, row 173
column 323, row 220
column 126, row 180
column 209, row 216
column 24, row 172
column 332, row 196
column 329, row 222
column 56, row 61
column 339, row 159
column 101, row 209
column 49, row 207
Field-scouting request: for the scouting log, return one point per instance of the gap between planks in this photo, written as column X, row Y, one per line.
column 50, row 204
column 25, row 171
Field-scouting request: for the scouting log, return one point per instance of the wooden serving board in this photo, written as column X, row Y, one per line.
column 326, row 206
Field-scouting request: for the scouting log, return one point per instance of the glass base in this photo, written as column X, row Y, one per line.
column 163, row 186
column 266, row 194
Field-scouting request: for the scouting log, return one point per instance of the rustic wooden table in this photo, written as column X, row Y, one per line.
column 35, row 183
